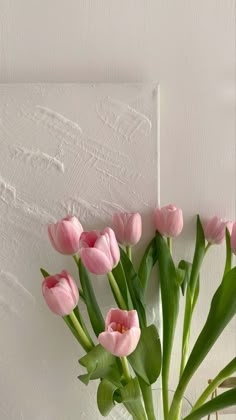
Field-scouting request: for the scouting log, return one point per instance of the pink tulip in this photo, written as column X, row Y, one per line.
column 99, row 251
column 65, row 235
column 169, row 220
column 122, row 332
column 127, row 227
column 233, row 239
column 61, row 293
column 214, row 230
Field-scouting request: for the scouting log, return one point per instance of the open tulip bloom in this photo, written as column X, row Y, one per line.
column 128, row 356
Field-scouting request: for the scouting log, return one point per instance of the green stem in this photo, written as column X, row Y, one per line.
column 207, row 247
column 82, row 323
column 175, row 408
column 125, row 368
column 188, row 312
column 81, row 294
column 165, row 392
column 129, row 252
column 169, row 244
column 147, row 398
column 84, row 341
column 116, row 291
column 186, row 336
column 71, row 327
column 76, row 258
column 222, row 376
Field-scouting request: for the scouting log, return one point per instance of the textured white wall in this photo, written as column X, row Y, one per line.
column 65, row 149
column 189, row 47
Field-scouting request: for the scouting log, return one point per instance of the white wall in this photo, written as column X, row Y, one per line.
column 186, row 45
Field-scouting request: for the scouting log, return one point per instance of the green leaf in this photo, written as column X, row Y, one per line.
column 70, row 324
column 129, row 392
column 146, row 359
column 227, row 399
column 135, row 408
column 147, row 263
column 135, row 288
column 44, row 273
column 222, row 310
column 183, row 274
column 119, row 275
column 221, row 377
column 101, row 364
column 228, row 262
column 196, row 293
column 192, row 283
column 199, row 254
column 93, row 309
column 170, row 305
column 180, row 276
column 105, row 397
column 129, row 395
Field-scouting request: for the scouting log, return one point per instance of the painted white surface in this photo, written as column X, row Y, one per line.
column 189, row 47
column 87, row 150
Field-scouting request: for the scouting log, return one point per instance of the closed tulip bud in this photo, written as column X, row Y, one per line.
column 122, row 332
column 65, row 235
column 99, row 251
column 214, row 230
column 169, row 220
column 127, row 228
column 233, row 239
column 60, row 293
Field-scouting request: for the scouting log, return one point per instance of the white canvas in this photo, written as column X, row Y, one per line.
column 84, row 149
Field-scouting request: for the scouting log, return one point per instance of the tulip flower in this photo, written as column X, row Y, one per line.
column 169, row 220
column 99, row 251
column 65, row 235
column 60, row 293
column 214, row 230
column 127, row 228
column 233, row 239
column 122, row 332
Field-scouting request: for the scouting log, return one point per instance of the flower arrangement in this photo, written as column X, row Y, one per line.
column 128, row 356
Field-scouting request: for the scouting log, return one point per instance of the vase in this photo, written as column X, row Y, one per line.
column 157, row 399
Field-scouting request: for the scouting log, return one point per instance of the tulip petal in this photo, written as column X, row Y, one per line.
column 108, row 341
column 95, row 261
column 103, row 245
column 127, row 342
column 169, row 220
column 88, row 239
column 114, row 248
column 159, row 221
column 73, row 286
column 51, row 234
column 233, row 239
column 118, row 224
column 214, row 230
column 133, row 229
column 67, row 238
column 60, row 293
column 128, row 319
column 58, row 300
column 120, row 344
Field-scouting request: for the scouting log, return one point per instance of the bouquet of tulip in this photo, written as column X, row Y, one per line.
column 128, row 356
